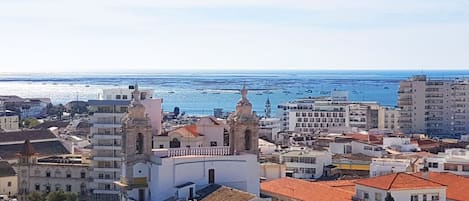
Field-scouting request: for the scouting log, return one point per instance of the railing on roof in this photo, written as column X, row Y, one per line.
column 196, row 151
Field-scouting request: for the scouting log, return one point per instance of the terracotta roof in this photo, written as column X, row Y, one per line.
column 347, row 185
column 186, row 131
column 457, row 186
column 36, row 134
column 217, row 192
column 398, row 181
column 6, row 170
column 304, row 190
column 27, row 149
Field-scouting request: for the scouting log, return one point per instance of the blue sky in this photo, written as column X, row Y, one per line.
column 105, row 35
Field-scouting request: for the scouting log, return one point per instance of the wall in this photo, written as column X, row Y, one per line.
column 400, row 194
column 359, row 147
column 9, row 190
column 272, row 170
column 237, row 171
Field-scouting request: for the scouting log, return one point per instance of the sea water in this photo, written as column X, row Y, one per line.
column 199, row 92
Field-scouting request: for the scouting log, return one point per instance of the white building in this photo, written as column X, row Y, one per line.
column 269, row 128
column 384, row 166
column 322, row 113
column 348, row 146
column 455, row 161
column 402, row 144
column 178, row 173
column 269, row 171
column 305, row 164
column 434, row 107
column 401, row 186
column 106, row 136
column 465, row 138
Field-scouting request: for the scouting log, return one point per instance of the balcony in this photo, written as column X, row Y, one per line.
column 107, row 125
column 104, row 136
column 110, row 169
column 196, row 151
column 106, row 158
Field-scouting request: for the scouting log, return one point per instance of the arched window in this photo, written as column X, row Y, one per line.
column 139, row 143
column 247, row 140
column 175, row 143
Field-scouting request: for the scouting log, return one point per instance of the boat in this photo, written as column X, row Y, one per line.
column 204, row 92
column 171, row 92
column 286, row 92
column 324, row 92
column 87, row 85
column 258, row 94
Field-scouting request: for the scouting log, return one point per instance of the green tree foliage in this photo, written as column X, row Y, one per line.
column 61, row 196
column 35, row 196
column 30, row 122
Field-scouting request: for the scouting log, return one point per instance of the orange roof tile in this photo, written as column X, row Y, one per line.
column 187, row 131
column 457, row 186
column 398, row 181
column 305, row 190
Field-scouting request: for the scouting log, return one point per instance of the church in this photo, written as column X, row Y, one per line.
column 185, row 173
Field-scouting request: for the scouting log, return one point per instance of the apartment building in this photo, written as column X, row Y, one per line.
column 321, row 113
column 9, row 121
column 388, row 118
column 434, row 107
column 106, row 136
column 305, row 164
column 455, row 161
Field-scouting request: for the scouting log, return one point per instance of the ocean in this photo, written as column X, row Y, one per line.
column 197, row 93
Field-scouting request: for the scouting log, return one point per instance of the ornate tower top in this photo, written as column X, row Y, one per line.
column 268, row 109
column 136, row 109
column 243, row 127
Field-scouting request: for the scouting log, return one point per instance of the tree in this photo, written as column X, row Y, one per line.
column 388, row 197
column 61, row 196
column 30, row 122
column 35, row 196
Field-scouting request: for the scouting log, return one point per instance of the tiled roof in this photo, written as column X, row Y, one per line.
column 398, row 181
column 6, row 169
column 186, row 131
column 216, row 192
column 457, row 186
column 8, row 152
column 36, row 134
column 307, row 191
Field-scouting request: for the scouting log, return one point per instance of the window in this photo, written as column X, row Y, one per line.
column 124, row 97
column 139, row 143
column 9, row 184
column 47, row 188
column 213, row 143
column 69, row 175
column 424, row 197
column 414, row 198
column 435, row 197
column 118, row 97
column 161, row 146
column 68, row 187
column 247, row 140
column 211, row 176
column 175, row 143
column 83, row 175
column 107, row 187
column 366, row 195
column 57, row 187
column 378, row 197
column 37, row 187
column 83, row 188
column 47, row 173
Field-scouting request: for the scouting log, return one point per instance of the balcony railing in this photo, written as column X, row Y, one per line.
column 197, row 151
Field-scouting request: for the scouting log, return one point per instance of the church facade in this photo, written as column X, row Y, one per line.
column 179, row 173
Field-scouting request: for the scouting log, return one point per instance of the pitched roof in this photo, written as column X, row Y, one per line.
column 457, row 186
column 186, row 131
column 6, row 169
column 35, row 134
column 217, row 192
column 398, row 181
column 304, row 190
column 8, row 152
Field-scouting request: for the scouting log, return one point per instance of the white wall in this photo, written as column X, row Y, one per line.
column 399, row 195
column 237, row 171
column 154, row 111
column 338, row 147
column 359, row 147
column 380, row 167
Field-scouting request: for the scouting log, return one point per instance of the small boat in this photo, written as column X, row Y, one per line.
column 204, row 92
column 258, row 94
column 324, row 92
column 309, row 91
column 171, row 92
column 299, row 93
column 286, row 92
column 87, row 85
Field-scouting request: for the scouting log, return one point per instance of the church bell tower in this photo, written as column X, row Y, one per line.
column 244, row 127
column 136, row 148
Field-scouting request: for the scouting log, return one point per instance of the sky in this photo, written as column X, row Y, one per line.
column 162, row 35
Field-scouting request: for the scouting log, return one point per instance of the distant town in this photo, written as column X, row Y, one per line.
column 123, row 146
